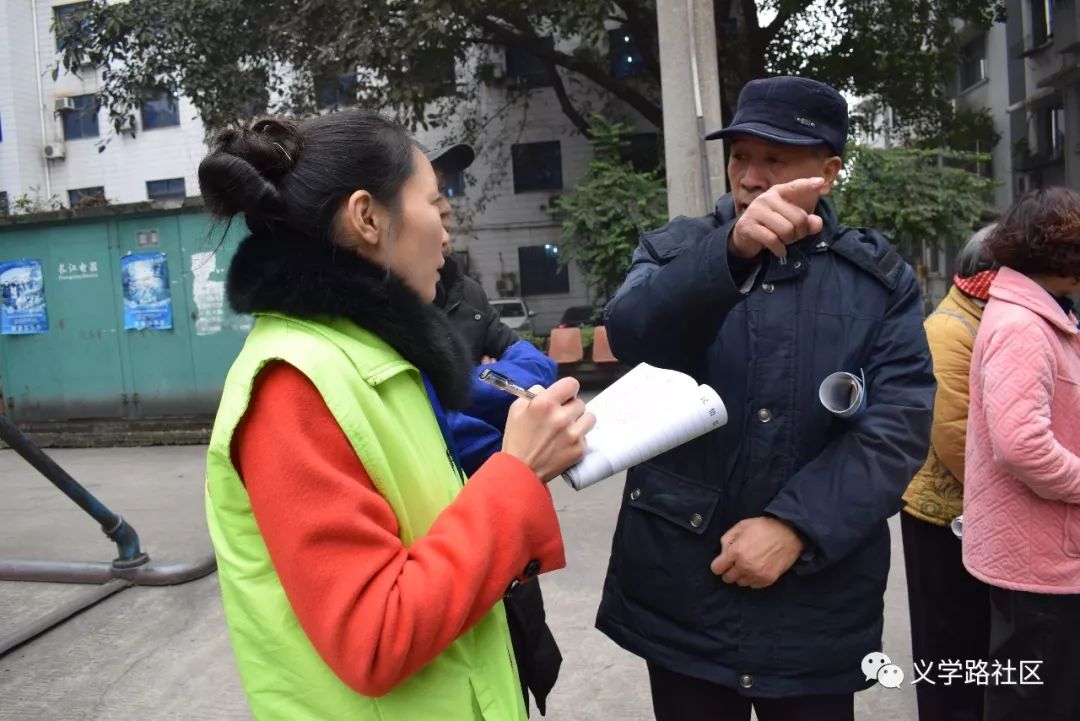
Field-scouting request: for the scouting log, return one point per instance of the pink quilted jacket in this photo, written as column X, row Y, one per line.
column 1022, row 490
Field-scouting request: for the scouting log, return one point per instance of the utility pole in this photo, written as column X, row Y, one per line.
column 690, row 85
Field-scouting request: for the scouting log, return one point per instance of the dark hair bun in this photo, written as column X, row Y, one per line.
column 242, row 172
column 289, row 178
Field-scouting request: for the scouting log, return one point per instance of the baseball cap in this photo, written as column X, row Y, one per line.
column 451, row 158
column 790, row 110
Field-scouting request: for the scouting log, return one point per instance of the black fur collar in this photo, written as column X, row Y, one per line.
column 270, row 274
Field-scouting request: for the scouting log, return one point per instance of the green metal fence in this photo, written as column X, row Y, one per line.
column 87, row 365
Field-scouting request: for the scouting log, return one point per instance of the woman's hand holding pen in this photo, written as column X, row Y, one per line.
column 548, row 431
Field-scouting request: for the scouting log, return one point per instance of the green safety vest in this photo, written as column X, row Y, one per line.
column 381, row 404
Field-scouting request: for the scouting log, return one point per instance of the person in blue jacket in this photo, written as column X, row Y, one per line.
column 748, row 567
column 476, row 433
column 493, row 344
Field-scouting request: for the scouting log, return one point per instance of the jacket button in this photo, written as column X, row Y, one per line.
column 478, row 317
column 764, row 415
column 696, row 520
column 532, row 568
column 635, row 494
column 768, row 287
column 798, row 264
column 746, row 680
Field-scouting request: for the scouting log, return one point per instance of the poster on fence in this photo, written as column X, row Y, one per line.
column 22, row 298
column 147, row 298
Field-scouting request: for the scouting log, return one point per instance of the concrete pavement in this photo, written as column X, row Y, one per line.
column 157, row 654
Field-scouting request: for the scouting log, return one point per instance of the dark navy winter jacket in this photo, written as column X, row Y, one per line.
column 764, row 340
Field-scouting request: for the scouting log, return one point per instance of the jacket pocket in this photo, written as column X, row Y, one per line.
column 665, row 548
column 1072, row 531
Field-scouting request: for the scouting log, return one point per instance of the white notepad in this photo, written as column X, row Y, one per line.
column 645, row 413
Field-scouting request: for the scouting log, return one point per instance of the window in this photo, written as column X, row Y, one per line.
column 82, row 121
column 161, row 109
column 537, row 166
column 626, row 59
column 1049, row 147
column 66, row 18
column 4, row 207
column 1042, row 21
column 1057, row 131
column 166, row 189
column 453, row 185
column 541, row 272
column 1052, row 132
column 641, row 150
column 336, row 90
column 81, row 197
column 439, row 77
column 509, row 309
column 973, row 63
column 527, row 70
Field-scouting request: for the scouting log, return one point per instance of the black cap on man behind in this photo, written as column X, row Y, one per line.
column 450, row 159
column 790, row 111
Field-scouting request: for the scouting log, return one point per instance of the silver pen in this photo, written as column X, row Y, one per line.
column 503, row 383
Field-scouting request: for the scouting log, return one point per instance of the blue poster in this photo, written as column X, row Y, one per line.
column 22, row 298
column 147, row 299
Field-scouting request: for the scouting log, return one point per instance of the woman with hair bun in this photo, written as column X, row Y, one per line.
column 361, row 573
column 1022, row 488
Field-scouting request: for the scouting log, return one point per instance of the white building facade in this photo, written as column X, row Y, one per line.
column 58, row 149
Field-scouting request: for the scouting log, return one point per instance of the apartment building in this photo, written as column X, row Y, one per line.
column 58, row 147
column 1026, row 71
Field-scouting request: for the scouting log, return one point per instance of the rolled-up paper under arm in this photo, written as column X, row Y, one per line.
column 843, row 394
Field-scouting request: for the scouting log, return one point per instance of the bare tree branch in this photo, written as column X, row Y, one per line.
column 783, row 17
column 648, row 109
column 567, row 105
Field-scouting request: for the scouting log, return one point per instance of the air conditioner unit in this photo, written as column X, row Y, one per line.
column 53, row 150
column 63, row 105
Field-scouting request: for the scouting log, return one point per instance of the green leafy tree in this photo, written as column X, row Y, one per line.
column 915, row 196
column 235, row 58
column 606, row 213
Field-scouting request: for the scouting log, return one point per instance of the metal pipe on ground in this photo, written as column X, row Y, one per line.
column 30, row 631
column 151, row 574
column 132, row 567
column 129, row 554
column 109, row 580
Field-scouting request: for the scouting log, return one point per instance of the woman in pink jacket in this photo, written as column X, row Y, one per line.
column 1022, row 493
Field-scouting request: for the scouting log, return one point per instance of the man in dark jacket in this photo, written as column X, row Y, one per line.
column 468, row 307
column 462, row 297
column 493, row 344
column 478, row 431
column 748, row 567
